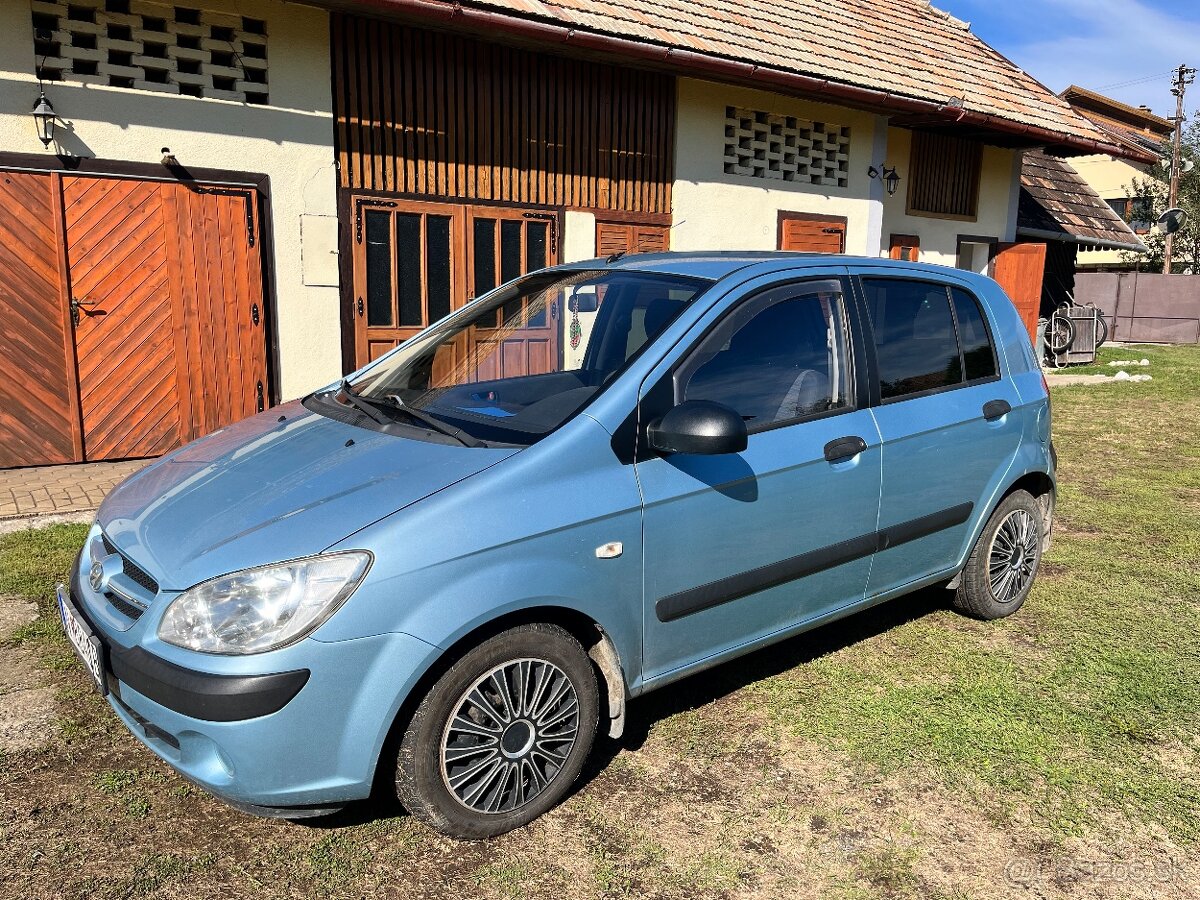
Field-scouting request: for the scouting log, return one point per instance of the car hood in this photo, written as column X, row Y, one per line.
column 279, row 485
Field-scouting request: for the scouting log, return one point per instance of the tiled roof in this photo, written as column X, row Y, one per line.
column 1057, row 204
column 905, row 48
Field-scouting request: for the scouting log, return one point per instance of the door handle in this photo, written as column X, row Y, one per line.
column 994, row 409
column 77, row 305
column 844, row 447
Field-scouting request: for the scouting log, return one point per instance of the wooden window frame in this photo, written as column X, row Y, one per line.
column 786, row 215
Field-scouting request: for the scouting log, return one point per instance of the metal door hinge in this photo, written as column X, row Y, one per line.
column 258, row 394
column 359, row 203
column 552, row 218
column 254, row 317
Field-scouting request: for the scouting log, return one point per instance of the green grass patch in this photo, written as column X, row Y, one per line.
column 1086, row 701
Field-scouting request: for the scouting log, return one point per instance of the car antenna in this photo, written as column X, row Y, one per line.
column 612, row 259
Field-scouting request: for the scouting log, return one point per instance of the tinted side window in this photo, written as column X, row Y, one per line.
column 780, row 356
column 915, row 342
column 978, row 356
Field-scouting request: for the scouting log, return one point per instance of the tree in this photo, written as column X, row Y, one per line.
column 1151, row 193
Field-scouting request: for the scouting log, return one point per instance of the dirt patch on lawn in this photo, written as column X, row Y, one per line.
column 26, row 703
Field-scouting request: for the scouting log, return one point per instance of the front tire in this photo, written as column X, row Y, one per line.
column 1000, row 572
column 502, row 735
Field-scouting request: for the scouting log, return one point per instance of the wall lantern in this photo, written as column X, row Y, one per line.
column 888, row 176
column 45, row 120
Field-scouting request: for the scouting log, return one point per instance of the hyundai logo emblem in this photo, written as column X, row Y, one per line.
column 96, row 576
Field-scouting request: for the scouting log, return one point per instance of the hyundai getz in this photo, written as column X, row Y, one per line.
column 447, row 571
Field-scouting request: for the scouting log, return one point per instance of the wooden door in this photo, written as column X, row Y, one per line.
column 124, row 335
column 132, row 315
column 39, row 422
column 812, row 233
column 504, row 243
column 1019, row 269
column 409, row 270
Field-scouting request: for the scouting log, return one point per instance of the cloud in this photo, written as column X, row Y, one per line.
column 1094, row 43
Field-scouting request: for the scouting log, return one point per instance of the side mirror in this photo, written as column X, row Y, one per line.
column 698, row 426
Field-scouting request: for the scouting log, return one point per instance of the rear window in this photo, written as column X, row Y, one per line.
column 924, row 339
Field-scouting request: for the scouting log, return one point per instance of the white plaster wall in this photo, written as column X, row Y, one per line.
column 291, row 141
column 715, row 211
column 939, row 237
column 579, row 236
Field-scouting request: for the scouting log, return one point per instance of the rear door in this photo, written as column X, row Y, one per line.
column 943, row 416
column 742, row 546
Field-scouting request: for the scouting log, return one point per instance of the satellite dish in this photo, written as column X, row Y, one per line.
column 1172, row 220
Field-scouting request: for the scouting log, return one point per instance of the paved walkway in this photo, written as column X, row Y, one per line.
column 54, row 490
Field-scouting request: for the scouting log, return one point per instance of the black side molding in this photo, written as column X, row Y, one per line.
column 706, row 596
column 200, row 695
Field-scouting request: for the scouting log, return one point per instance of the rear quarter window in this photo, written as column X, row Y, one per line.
column 928, row 336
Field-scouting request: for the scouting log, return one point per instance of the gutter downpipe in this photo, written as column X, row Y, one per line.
column 700, row 64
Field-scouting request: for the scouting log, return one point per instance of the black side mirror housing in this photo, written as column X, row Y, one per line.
column 698, row 426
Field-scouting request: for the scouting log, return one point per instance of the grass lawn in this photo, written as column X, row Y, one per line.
column 905, row 752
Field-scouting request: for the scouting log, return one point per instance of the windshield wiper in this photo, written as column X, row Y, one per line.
column 362, row 404
column 435, row 423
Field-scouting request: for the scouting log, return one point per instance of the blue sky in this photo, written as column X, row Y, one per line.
column 1098, row 44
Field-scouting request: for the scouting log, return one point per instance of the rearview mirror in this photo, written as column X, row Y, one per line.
column 698, row 426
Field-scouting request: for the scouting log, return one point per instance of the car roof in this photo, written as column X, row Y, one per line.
column 715, row 265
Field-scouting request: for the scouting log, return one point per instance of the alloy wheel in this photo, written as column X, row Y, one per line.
column 510, row 735
column 1013, row 556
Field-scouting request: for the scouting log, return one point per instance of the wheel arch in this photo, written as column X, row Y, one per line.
column 596, row 642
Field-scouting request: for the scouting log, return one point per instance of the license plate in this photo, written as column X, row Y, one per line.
column 87, row 646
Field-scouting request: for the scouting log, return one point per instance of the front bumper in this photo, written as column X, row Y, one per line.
column 301, row 740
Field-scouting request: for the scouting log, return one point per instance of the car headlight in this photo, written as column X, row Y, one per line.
column 261, row 609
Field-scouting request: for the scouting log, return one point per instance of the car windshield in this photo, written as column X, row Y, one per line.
column 513, row 366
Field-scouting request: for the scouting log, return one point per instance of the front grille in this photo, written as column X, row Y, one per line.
column 128, row 610
column 132, row 571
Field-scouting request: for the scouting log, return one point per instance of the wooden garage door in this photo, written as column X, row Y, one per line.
column 811, row 233
column 159, row 294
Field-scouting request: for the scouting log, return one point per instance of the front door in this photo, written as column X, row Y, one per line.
column 416, row 262
column 742, row 546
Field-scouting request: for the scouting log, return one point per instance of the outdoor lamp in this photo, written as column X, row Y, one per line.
column 45, row 119
column 888, row 176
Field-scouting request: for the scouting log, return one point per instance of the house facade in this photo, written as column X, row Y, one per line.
column 1112, row 177
column 242, row 201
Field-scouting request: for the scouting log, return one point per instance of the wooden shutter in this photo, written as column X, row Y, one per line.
column 623, row 237
column 944, row 175
column 812, row 234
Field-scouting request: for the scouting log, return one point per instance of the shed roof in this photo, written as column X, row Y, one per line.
column 895, row 55
column 1057, row 204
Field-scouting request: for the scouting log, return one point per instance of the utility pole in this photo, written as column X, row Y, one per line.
column 1183, row 77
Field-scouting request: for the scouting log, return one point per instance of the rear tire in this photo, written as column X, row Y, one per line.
column 1004, row 563
column 502, row 735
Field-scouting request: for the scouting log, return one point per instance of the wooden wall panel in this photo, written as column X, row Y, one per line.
column 37, row 420
column 438, row 114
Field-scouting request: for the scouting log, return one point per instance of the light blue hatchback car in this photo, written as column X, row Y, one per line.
column 448, row 570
